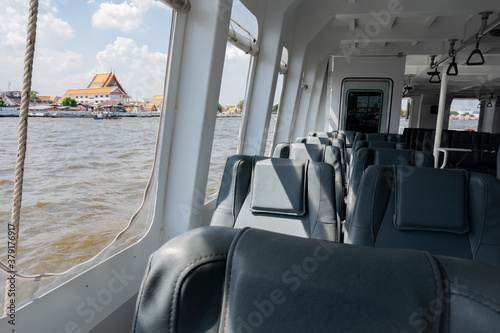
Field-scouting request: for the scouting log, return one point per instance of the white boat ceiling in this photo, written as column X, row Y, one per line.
column 415, row 29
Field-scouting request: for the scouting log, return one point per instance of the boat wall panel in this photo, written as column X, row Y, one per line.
column 262, row 84
column 368, row 67
column 489, row 118
column 425, row 118
column 192, row 94
column 312, row 110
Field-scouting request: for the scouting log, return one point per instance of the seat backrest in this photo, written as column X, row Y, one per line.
column 376, row 137
column 395, row 138
column 330, row 135
column 379, row 144
column 378, row 156
column 468, row 140
column 295, row 197
column 446, row 212
column 347, row 136
column 490, row 144
column 216, row 279
column 313, row 140
column 318, row 153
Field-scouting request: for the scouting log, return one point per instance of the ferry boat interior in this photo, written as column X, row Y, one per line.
column 349, row 222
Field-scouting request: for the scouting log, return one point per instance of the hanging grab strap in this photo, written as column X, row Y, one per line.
column 452, row 68
column 475, row 54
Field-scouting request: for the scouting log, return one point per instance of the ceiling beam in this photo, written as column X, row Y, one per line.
column 390, row 22
column 352, row 24
column 442, row 30
column 429, row 20
column 367, row 9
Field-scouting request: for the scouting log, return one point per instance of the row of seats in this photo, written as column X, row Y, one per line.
column 236, row 279
column 295, row 197
column 482, row 159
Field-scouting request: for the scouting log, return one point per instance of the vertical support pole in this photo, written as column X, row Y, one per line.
column 440, row 118
column 322, row 117
column 262, row 86
column 316, row 94
column 291, row 91
column 302, row 107
column 190, row 111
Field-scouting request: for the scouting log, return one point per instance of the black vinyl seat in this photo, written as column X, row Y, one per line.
column 295, row 197
column 469, row 140
column 490, row 144
column 217, row 279
column 318, row 153
column 446, row 212
column 365, row 157
column 379, row 144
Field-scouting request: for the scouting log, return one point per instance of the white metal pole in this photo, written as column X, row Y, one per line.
column 440, row 118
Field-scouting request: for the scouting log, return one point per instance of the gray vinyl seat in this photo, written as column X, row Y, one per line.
column 216, row 279
column 331, row 135
column 365, row 157
column 294, row 197
column 379, row 144
column 317, row 140
column 318, row 153
column 445, row 212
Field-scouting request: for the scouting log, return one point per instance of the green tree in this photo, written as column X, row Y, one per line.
column 466, row 114
column 453, row 113
column 33, row 97
column 2, row 103
column 275, row 108
column 240, row 104
column 219, row 108
column 68, row 101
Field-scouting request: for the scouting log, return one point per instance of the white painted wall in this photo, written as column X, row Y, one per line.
column 421, row 116
column 489, row 119
column 369, row 67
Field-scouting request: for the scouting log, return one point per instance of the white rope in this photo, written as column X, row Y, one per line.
column 4, row 268
column 13, row 227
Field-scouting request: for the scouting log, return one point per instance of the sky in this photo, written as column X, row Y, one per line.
column 78, row 38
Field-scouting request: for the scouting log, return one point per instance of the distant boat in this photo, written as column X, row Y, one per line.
column 102, row 116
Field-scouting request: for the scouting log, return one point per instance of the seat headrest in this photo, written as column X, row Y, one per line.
column 376, row 144
column 431, row 199
column 384, row 156
column 318, row 140
column 376, row 137
column 305, row 151
column 278, row 187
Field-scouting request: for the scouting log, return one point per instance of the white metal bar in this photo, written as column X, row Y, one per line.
column 242, row 42
column 440, row 118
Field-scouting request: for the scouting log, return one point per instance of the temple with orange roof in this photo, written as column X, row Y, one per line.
column 104, row 87
column 154, row 104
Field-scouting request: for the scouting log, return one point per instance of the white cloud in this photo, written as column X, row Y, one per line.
column 50, row 55
column 51, row 28
column 140, row 71
column 124, row 16
column 234, row 53
column 13, row 22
